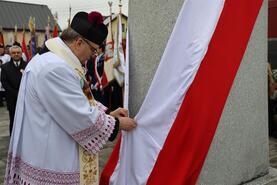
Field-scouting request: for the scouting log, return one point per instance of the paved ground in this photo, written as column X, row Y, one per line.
column 273, row 152
column 4, row 142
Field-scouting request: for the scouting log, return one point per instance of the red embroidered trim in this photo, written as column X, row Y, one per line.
column 101, row 106
column 20, row 172
column 94, row 137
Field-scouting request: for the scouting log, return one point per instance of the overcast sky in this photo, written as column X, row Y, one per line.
column 62, row 7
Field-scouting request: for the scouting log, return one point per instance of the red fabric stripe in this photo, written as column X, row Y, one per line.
column 272, row 19
column 185, row 149
column 55, row 31
column 111, row 164
column 24, row 47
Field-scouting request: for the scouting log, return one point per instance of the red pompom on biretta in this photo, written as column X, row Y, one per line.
column 95, row 17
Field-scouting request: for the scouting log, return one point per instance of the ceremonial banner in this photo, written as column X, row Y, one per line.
column 1, row 36
column 47, row 32
column 119, row 59
column 55, row 30
column 178, row 119
column 33, row 45
column 109, row 54
column 24, row 47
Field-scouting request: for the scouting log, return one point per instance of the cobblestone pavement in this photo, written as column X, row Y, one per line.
column 104, row 154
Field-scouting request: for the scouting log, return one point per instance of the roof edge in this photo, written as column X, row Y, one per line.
column 24, row 3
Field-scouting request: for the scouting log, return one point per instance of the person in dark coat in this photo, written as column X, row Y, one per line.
column 11, row 74
column 3, row 59
column 96, row 77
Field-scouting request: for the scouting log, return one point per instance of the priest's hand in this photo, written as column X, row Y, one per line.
column 126, row 123
column 120, row 112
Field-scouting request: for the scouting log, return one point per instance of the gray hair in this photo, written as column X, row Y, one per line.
column 14, row 47
column 69, row 35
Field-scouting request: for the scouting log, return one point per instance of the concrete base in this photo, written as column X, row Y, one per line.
column 268, row 179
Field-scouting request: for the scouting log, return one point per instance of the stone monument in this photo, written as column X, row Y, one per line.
column 239, row 152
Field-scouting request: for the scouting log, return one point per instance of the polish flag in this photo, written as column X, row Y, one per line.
column 186, row 97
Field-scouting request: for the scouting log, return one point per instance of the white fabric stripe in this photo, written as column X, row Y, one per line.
column 120, row 47
column 126, row 79
column 184, row 52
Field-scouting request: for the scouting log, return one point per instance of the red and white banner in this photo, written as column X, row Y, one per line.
column 109, row 54
column 179, row 116
column 24, row 47
column 119, row 59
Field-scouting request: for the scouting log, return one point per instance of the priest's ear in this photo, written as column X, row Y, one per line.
column 79, row 41
column 77, row 44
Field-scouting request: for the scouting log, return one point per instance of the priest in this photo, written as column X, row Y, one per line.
column 58, row 127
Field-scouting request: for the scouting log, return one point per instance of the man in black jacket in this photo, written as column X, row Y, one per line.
column 11, row 74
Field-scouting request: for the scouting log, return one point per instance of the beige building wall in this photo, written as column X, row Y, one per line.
column 124, row 22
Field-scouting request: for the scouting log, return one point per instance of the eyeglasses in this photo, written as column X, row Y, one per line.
column 92, row 49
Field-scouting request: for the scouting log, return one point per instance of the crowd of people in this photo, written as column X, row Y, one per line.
column 12, row 69
column 4, row 58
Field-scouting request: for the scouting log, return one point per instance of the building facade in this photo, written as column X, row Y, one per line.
column 16, row 14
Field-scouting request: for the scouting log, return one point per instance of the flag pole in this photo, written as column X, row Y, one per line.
column 120, row 6
column 48, row 21
column 69, row 19
column 124, row 101
column 47, row 32
column 110, row 25
column 32, row 27
column 111, row 14
column 48, row 28
column 35, row 39
column 15, row 33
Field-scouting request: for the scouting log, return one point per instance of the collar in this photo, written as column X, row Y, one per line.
column 58, row 47
column 16, row 63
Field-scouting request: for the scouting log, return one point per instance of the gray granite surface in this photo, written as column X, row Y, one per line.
column 239, row 151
